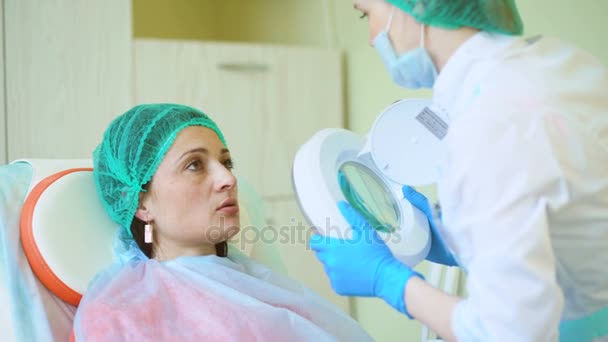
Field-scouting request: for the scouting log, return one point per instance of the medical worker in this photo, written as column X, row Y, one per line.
column 524, row 189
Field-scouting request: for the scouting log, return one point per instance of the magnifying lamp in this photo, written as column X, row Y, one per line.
column 404, row 147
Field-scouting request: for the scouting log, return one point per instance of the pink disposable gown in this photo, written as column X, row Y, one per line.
column 205, row 298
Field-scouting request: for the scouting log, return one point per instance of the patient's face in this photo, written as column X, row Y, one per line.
column 192, row 198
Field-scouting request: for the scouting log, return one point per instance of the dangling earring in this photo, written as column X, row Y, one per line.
column 148, row 233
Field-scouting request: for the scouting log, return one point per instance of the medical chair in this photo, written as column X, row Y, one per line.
column 59, row 238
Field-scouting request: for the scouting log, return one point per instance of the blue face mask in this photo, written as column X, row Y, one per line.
column 412, row 70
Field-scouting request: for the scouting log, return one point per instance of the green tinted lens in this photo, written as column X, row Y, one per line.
column 369, row 196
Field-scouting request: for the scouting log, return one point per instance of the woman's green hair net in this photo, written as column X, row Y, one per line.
column 133, row 147
column 499, row 16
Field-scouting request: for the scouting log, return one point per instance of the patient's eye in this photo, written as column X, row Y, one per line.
column 229, row 164
column 363, row 15
column 195, row 165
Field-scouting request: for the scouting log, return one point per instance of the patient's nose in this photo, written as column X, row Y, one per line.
column 224, row 178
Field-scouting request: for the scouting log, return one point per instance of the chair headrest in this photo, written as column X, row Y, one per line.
column 66, row 234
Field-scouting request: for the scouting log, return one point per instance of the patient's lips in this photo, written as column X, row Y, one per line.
column 229, row 207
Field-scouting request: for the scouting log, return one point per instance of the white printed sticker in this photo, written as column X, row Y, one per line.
column 433, row 123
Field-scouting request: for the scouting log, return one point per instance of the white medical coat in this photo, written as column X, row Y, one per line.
column 524, row 190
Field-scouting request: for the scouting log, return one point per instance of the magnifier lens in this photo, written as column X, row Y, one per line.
column 369, row 196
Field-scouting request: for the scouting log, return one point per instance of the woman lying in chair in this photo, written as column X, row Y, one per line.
column 163, row 172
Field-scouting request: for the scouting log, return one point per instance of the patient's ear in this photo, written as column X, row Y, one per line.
column 143, row 212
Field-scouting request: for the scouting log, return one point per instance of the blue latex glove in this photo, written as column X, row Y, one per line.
column 363, row 266
column 438, row 253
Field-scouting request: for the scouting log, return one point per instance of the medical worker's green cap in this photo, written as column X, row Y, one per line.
column 498, row 16
column 133, row 147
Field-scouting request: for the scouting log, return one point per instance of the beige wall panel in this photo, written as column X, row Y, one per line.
column 3, row 137
column 267, row 100
column 288, row 231
column 68, row 74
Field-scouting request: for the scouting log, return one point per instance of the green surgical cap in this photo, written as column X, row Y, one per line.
column 133, row 147
column 499, row 16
